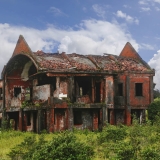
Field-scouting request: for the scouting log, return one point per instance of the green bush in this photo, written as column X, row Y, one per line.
column 150, row 153
column 63, row 147
column 112, row 133
column 125, row 151
column 154, row 110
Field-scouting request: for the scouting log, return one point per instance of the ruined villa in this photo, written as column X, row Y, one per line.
column 59, row 91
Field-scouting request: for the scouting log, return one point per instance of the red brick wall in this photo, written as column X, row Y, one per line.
column 139, row 100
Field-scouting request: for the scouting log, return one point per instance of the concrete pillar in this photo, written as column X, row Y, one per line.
column 101, row 91
column 109, row 91
column 95, row 120
column 70, row 118
column 128, row 107
column 39, row 121
column 66, row 119
column 32, row 129
column 105, row 115
column 51, row 118
column 20, row 120
column 128, row 116
column 112, row 117
column 56, row 92
column 71, row 89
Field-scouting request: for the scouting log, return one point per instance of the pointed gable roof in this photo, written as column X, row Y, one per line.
column 129, row 52
column 21, row 46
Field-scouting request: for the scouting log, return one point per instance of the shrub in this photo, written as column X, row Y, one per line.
column 112, row 133
column 154, row 109
column 64, row 146
column 150, row 153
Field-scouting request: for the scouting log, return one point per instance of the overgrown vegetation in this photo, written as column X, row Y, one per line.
column 154, row 110
column 136, row 142
column 63, row 146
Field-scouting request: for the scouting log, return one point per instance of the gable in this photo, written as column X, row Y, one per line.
column 129, row 52
column 21, row 47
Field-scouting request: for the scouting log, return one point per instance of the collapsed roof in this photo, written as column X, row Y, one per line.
column 128, row 60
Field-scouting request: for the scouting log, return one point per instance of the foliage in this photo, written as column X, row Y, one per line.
column 154, row 109
column 26, row 104
column 112, row 133
column 5, row 124
column 64, row 146
column 136, row 142
column 156, row 93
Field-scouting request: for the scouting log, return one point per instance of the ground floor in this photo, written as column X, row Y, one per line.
column 58, row 119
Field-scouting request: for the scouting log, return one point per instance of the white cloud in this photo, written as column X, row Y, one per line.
column 143, row 2
column 158, row 1
column 149, row 4
column 126, row 6
column 157, row 9
column 99, row 10
column 128, row 18
column 145, row 9
column 56, row 11
column 154, row 63
column 92, row 37
column 146, row 46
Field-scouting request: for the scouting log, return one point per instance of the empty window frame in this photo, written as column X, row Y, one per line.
column 28, row 118
column 120, row 89
column 83, row 86
column 77, row 117
column 138, row 89
column 17, row 91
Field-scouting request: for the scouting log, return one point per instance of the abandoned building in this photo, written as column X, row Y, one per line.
column 58, row 91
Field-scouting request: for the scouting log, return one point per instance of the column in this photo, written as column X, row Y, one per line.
column 20, row 120
column 128, row 107
column 39, row 121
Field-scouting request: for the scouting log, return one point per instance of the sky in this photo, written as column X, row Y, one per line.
column 82, row 27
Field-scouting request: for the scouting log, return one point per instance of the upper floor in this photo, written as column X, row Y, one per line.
column 60, row 80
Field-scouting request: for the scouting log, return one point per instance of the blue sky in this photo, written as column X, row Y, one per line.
column 82, row 26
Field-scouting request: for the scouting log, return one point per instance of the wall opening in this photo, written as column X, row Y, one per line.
column 83, row 86
column 120, row 89
column 97, row 85
column 17, row 91
column 77, row 117
column 138, row 89
column 34, row 121
column 28, row 115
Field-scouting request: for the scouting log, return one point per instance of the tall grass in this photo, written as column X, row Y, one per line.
column 113, row 142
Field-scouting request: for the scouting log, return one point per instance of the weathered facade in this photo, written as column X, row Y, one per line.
column 60, row 91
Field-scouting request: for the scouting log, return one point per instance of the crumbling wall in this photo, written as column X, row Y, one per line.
column 109, row 91
column 41, row 93
column 13, row 100
column 139, row 101
column 119, row 116
column 120, row 91
column 61, row 90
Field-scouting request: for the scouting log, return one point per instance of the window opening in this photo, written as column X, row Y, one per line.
column 83, row 86
column 28, row 119
column 120, row 89
column 97, row 91
column 17, row 91
column 138, row 89
column 77, row 117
